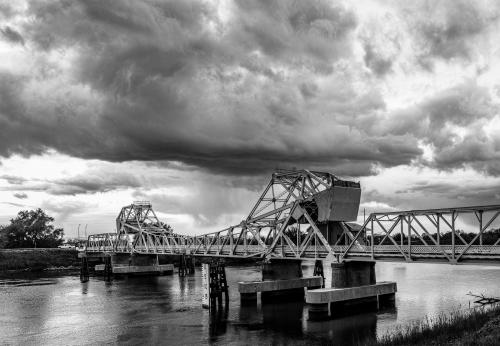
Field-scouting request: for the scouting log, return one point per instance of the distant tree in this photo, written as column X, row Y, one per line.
column 167, row 227
column 31, row 228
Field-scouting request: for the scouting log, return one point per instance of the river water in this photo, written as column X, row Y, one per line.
column 51, row 310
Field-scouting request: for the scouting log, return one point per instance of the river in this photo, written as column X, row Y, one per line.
column 58, row 309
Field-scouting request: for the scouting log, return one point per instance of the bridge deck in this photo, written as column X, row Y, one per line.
column 415, row 253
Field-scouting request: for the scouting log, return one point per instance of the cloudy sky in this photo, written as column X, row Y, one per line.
column 192, row 104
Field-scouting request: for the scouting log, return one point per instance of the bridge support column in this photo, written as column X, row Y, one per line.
column 281, row 281
column 354, row 289
column 353, row 274
column 278, row 269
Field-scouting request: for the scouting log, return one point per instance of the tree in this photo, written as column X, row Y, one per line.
column 31, row 228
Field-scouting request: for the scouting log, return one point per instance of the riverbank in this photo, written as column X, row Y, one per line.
column 37, row 259
column 480, row 326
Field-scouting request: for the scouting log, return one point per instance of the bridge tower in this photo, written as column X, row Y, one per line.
column 134, row 224
column 302, row 207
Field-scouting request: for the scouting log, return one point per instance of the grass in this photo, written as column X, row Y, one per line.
column 36, row 259
column 479, row 326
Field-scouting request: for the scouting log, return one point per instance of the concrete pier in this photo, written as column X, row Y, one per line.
column 248, row 290
column 354, row 289
column 330, row 295
column 125, row 264
column 126, row 269
column 354, row 273
column 282, row 270
column 281, row 281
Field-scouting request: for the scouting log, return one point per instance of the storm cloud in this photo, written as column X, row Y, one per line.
column 12, row 35
column 230, row 89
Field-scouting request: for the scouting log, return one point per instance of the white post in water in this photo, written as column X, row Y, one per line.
column 205, row 285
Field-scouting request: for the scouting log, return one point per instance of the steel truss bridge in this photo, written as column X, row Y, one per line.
column 302, row 215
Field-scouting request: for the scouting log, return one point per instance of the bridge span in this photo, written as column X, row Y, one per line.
column 307, row 215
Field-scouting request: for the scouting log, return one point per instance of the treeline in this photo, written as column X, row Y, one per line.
column 31, row 229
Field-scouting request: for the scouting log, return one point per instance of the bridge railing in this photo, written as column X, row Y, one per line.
column 431, row 233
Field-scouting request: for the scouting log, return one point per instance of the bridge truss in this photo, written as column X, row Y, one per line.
column 288, row 221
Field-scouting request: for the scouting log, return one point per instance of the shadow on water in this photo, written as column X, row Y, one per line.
column 218, row 322
column 287, row 322
column 284, row 317
column 349, row 330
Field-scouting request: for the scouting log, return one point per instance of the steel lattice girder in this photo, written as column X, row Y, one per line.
column 272, row 230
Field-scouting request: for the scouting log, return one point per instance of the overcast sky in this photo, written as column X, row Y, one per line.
column 193, row 104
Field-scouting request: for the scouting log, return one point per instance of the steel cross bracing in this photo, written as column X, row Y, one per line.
column 136, row 225
column 272, row 230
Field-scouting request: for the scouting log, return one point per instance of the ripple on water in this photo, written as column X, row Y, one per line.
column 27, row 283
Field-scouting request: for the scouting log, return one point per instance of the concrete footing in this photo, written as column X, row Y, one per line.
column 281, row 281
column 354, row 289
column 348, row 300
column 160, row 269
column 125, row 264
column 273, row 290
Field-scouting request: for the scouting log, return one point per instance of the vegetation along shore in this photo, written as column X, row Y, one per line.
column 478, row 326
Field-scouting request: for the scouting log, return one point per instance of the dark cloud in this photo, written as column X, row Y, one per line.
column 6, row 10
column 12, row 179
column 468, row 193
column 309, row 34
column 308, row 89
column 377, row 63
column 21, row 195
column 168, row 87
column 89, row 182
column 94, row 182
column 453, row 122
column 12, row 35
column 449, row 29
column 176, row 81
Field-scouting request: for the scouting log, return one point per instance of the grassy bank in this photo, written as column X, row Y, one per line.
column 480, row 326
column 37, row 259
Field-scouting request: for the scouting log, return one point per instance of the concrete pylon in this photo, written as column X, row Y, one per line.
column 352, row 274
column 282, row 269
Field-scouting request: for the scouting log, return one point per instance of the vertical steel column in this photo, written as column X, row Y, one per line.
column 453, row 234
column 244, row 230
column 409, row 237
column 437, row 227
column 373, row 238
column 481, row 227
column 401, row 219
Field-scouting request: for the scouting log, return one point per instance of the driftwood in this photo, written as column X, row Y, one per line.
column 481, row 299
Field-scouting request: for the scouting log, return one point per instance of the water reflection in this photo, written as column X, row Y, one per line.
column 218, row 322
column 351, row 330
column 85, row 288
column 284, row 317
column 167, row 309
